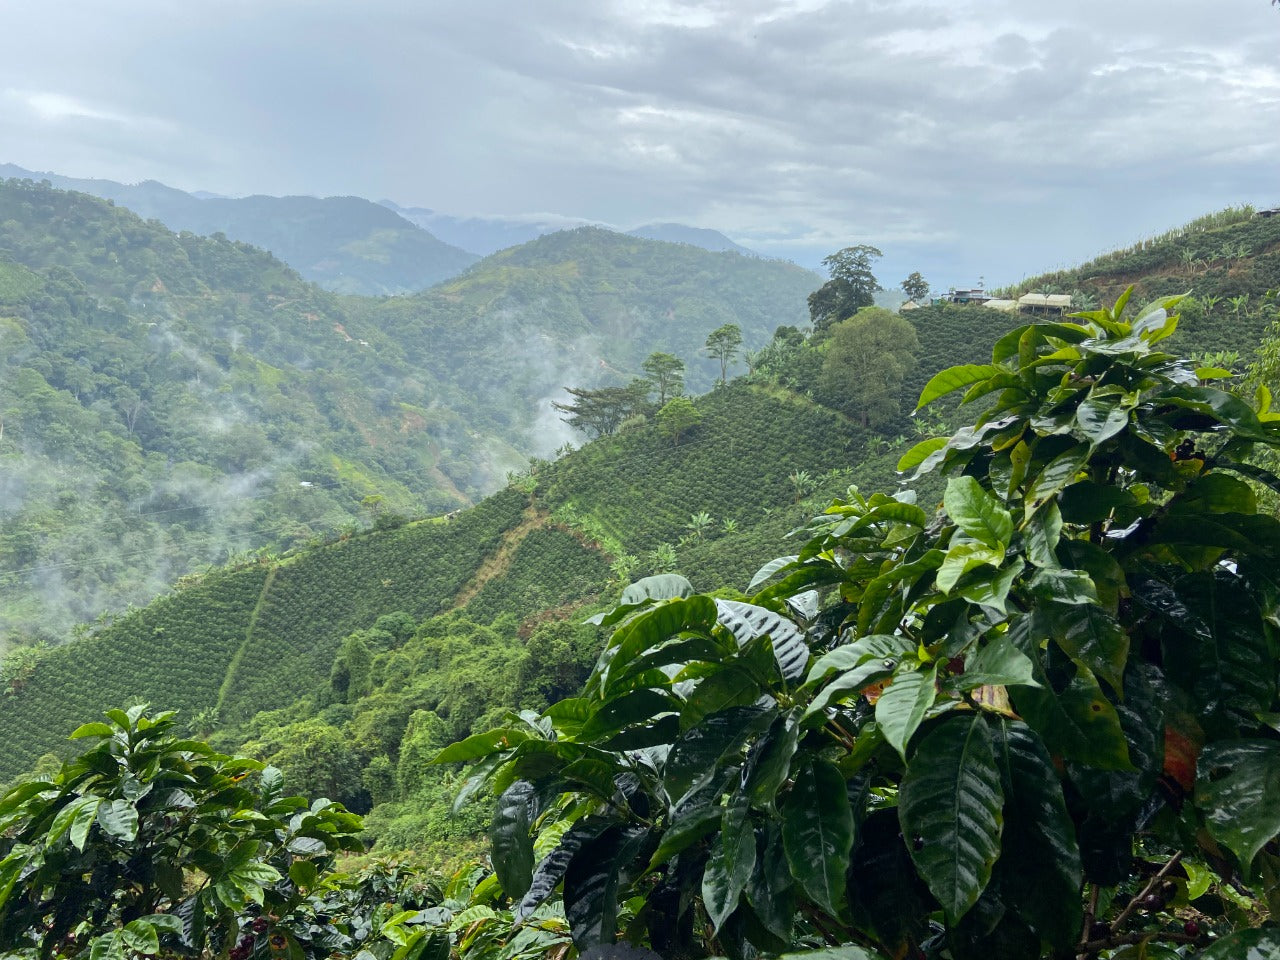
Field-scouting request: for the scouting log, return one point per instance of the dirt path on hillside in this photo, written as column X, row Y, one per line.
column 497, row 563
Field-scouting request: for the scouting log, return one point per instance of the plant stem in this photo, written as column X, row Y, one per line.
column 1151, row 885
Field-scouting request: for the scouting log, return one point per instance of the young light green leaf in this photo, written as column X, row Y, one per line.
column 903, row 703
column 977, row 512
column 955, row 378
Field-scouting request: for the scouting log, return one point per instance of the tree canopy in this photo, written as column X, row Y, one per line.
column 666, row 373
column 867, row 358
column 852, row 286
column 723, row 344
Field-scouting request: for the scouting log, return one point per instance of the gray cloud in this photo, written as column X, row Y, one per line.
column 961, row 137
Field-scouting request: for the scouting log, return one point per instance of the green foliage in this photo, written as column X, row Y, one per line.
column 598, row 413
column 678, row 416
column 867, row 359
column 247, row 640
column 666, row 373
column 1063, row 677
column 852, row 286
column 723, row 344
column 146, row 844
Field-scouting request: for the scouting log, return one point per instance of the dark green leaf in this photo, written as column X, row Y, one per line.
column 1101, row 419
column 769, row 762
column 1238, row 789
column 817, row 832
column 730, row 865
column 633, row 707
column 1044, row 880
column 119, row 818
column 553, row 866
column 697, row 753
column 591, row 884
column 1089, row 636
column 951, row 801
column 999, row 663
column 1262, row 943
column 510, row 840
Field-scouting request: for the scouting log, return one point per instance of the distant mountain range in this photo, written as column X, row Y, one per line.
column 489, row 234
column 167, row 399
column 349, row 244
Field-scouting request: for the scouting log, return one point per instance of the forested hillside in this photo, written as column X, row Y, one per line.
column 344, row 244
column 258, row 637
column 170, row 400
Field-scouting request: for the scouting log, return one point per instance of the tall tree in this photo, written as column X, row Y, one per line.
column 666, row 373
column 852, row 286
column 867, row 358
column 916, row 287
column 722, row 344
column 598, row 412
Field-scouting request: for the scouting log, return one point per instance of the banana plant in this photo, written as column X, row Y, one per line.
column 1027, row 720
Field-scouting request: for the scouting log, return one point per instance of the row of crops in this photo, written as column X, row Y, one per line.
column 737, row 463
column 549, row 569
column 327, row 593
column 172, row 653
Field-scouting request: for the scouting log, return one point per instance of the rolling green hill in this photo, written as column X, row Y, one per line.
column 169, row 401
column 344, row 244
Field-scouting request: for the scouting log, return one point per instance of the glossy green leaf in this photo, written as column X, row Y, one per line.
column 1100, row 418
column 730, row 865
column 990, row 588
column 1238, row 790
column 1041, row 535
column 634, row 706
column 963, row 557
column 697, row 753
column 96, row 729
column 999, row 663
column 769, row 762
column 551, row 870
column 770, row 570
column 1078, row 724
column 510, row 840
column 921, row 452
column 1046, row 876
column 119, row 818
column 903, row 704
column 977, row 512
column 1057, row 473
column 1261, row 943
column 140, row 936
column 955, row 378
column 592, row 881
column 817, row 832
column 482, row 745
column 1089, row 636
column 70, row 815
column 949, row 806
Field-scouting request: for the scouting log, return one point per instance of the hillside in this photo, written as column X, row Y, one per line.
column 170, row 400
column 344, row 244
column 260, row 636
column 1228, row 261
column 588, row 305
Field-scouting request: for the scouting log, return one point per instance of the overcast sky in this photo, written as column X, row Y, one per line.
column 963, row 138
